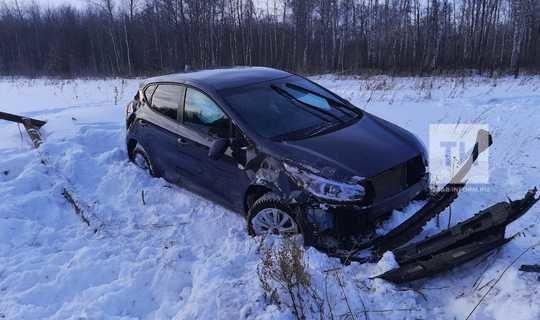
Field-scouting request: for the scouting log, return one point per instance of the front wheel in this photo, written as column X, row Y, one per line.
column 270, row 215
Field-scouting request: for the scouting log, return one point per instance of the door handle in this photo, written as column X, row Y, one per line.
column 181, row 141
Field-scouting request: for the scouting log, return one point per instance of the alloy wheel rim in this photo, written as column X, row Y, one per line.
column 274, row 221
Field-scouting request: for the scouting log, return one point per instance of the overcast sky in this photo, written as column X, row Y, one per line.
column 54, row 3
column 259, row 4
column 47, row 3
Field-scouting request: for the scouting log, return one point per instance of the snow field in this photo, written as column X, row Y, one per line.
column 176, row 255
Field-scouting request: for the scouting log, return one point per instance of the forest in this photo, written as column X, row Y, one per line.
column 143, row 37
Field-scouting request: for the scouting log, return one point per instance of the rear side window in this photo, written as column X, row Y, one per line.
column 166, row 99
column 204, row 114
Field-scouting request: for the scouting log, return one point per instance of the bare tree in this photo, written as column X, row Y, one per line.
column 311, row 36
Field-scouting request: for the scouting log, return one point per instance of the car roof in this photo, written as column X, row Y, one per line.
column 224, row 78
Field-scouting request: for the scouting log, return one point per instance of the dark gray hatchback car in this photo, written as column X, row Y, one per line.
column 288, row 154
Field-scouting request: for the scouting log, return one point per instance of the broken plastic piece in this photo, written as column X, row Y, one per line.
column 530, row 268
column 414, row 225
column 30, row 125
column 487, row 221
column 461, row 243
column 443, row 261
column 20, row 119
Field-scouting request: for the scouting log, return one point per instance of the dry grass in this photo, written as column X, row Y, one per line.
column 284, row 277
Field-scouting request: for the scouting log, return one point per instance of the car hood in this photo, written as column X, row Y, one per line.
column 366, row 148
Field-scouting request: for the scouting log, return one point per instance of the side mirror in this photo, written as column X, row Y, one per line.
column 218, row 147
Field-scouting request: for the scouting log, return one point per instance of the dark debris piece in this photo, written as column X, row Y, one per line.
column 530, row 268
column 443, row 261
column 459, row 244
column 19, row 119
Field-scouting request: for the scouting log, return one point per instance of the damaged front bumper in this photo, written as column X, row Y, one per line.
column 460, row 243
column 454, row 246
column 349, row 220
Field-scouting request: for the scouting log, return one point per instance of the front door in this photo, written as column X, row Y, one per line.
column 203, row 122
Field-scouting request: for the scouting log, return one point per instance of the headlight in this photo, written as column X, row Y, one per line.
column 324, row 188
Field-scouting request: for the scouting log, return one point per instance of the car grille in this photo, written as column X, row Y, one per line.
column 398, row 178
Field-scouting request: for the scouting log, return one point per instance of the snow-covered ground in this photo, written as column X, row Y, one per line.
column 176, row 255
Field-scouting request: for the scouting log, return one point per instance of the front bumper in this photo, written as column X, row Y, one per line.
column 400, row 200
column 386, row 191
column 469, row 239
column 343, row 223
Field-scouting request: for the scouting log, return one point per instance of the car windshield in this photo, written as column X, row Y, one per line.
column 292, row 108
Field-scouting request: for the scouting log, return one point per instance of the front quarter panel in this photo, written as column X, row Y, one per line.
column 272, row 175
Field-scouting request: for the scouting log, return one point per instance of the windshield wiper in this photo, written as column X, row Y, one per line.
column 320, row 129
column 305, row 132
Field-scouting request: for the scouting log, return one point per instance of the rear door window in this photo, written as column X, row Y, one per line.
column 149, row 91
column 166, row 99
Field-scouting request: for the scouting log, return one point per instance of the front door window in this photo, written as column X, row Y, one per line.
column 203, row 114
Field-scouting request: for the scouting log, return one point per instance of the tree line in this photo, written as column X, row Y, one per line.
column 140, row 37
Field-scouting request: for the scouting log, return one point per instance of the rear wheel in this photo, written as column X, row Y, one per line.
column 141, row 159
column 270, row 215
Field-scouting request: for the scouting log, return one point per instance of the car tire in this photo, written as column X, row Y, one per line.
column 140, row 158
column 271, row 215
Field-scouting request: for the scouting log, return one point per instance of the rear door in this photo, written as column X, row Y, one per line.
column 203, row 123
column 161, row 126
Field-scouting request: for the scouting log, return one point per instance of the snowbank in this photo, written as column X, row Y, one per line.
column 176, row 255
